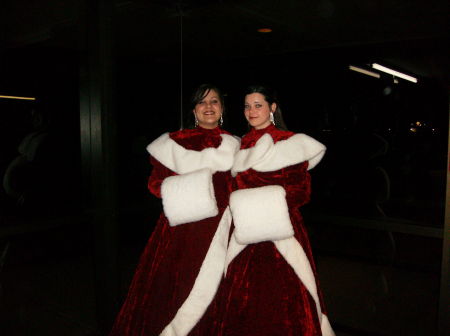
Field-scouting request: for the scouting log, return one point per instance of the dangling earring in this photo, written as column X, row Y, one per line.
column 272, row 119
column 221, row 120
column 196, row 120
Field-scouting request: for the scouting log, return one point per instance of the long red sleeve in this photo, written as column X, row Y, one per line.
column 159, row 173
column 297, row 183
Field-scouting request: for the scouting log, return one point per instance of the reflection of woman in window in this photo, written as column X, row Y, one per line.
column 27, row 180
column 182, row 264
column 271, row 284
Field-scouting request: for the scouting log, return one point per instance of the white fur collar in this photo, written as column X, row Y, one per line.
column 266, row 156
column 181, row 160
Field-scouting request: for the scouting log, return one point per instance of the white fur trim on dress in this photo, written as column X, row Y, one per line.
column 266, row 156
column 206, row 283
column 260, row 214
column 181, row 160
column 189, row 197
column 234, row 248
column 293, row 253
column 295, row 256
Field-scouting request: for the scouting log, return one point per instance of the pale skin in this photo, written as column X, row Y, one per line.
column 209, row 110
column 257, row 110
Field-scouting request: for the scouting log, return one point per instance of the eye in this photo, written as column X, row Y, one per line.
column 258, row 105
column 246, row 106
column 201, row 102
column 214, row 101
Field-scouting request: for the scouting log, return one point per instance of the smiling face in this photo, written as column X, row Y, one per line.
column 257, row 110
column 208, row 110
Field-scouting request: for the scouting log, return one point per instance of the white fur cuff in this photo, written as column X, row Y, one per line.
column 189, row 197
column 260, row 214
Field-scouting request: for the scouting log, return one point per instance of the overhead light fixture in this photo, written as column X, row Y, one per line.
column 16, row 97
column 364, row 71
column 264, row 30
column 394, row 72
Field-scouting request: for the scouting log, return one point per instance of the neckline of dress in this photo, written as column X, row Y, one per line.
column 215, row 130
column 264, row 130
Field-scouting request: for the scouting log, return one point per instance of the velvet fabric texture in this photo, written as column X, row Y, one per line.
column 173, row 256
column 261, row 294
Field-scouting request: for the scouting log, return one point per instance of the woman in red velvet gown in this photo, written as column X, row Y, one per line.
column 182, row 264
column 271, row 284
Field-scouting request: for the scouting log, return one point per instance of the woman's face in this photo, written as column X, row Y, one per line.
column 209, row 110
column 257, row 110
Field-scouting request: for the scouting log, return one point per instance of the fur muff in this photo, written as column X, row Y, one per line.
column 189, row 197
column 260, row 214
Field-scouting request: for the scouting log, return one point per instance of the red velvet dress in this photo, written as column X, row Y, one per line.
column 261, row 294
column 173, row 256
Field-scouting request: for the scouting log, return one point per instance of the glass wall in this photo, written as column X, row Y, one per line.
column 377, row 210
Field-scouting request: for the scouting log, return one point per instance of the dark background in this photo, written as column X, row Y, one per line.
column 378, row 196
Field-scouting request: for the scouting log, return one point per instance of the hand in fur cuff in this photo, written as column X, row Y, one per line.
column 189, row 197
column 260, row 214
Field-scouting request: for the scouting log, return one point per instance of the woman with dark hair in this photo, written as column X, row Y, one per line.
column 182, row 265
column 271, row 285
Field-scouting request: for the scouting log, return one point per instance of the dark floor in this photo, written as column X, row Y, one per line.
column 50, row 290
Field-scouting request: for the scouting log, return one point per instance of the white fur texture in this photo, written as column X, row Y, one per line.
column 266, row 156
column 234, row 248
column 189, row 197
column 325, row 326
column 206, row 283
column 181, row 160
column 260, row 214
column 293, row 253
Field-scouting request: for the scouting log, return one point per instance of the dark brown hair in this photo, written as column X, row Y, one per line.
column 270, row 97
column 199, row 94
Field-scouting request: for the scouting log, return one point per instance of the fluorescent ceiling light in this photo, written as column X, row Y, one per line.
column 15, row 97
column 364, row 71
column 394, row 73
